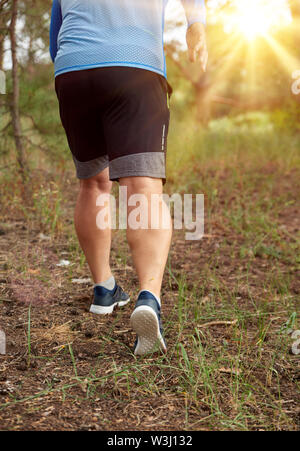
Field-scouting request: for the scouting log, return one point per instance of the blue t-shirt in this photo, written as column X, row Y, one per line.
column 85, row 34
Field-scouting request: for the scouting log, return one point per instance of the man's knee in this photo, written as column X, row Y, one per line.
column 142, row 184
column 99, row 182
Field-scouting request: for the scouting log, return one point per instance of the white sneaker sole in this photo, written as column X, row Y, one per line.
column 145, row 323
column 101, row 310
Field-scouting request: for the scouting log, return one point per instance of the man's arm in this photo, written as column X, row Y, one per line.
column 196, row 35
column 195, row 11
column 56, row 22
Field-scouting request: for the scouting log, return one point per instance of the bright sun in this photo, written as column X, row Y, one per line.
column 253, row 18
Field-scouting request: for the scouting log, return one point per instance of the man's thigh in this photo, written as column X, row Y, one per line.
column 81, row 117
column 136, row 124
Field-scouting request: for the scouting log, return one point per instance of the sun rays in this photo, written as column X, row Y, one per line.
column 255, row 18
column 254, row 28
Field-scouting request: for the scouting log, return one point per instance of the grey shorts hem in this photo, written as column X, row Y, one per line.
column 116, row 178
column 147, row 164
column 88, row 169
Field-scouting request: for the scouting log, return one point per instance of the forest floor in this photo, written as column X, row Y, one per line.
column 230, row 305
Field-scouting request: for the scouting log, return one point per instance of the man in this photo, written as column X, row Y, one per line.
column 110, row 80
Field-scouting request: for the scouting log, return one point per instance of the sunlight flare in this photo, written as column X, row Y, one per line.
column 257, row 17
column 288, row 62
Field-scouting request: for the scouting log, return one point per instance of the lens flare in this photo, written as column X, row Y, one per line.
column 257, row 17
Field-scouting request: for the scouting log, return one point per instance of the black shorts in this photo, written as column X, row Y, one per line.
column 117, row 117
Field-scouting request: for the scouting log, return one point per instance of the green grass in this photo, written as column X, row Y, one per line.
column 229, row 143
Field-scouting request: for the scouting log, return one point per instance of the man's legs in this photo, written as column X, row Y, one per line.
column 94, row 242
column 149, row 247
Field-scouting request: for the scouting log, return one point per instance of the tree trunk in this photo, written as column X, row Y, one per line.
column 2, row 33
column 1, row 51
column 203, row 103
column 15, row 112
column 203, row 99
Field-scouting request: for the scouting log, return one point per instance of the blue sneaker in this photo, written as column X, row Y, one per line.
column 146, row 322
column 105, row 300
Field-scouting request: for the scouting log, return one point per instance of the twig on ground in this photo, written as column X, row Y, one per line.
column 219, row 323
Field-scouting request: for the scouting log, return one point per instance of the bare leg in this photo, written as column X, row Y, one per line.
column 94, row 242
column 149, row 247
